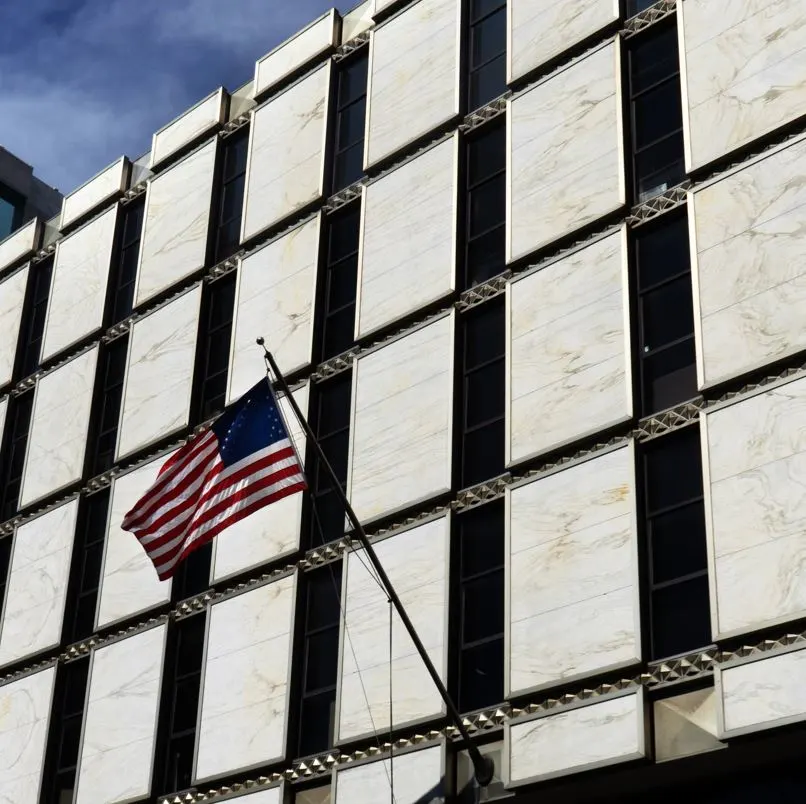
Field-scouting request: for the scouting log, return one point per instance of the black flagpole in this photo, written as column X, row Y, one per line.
column 483, row 766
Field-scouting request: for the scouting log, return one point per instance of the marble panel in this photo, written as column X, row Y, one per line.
column 416, row 562
column 3, row 407
column 25, row 706
column 568, row 349
column 78, row 287
column 21, row 243
column 749, row 276
column 12, row 295
column 408, row 252
column 572, row 573
column 129, row 583
column 285, row 166
column 744, row 72
column 686, row 724
column 304, row 47
column 245, row 688
column 174, row 240
column 357, row 20
column 400, row 451
column 193, row 124
column 117, row 741
column 592, row 736
column 271, row 795
column 159, row 374
column 540, row 31
column 413, row 76
column 762, row 694
column 59, row 424
column 37, row 584
column 566, row 161
column 270, row 532
column 418, row 778
column 275, row 297
column 756, row 491
column 94, row 193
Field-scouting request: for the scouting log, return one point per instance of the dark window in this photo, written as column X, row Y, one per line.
column 12, row 207
column 483, row 392
column 106, row 405
column 124, row 273
column 5, row 566
column 486, row 205
column 85, row 571
column 676, row 552
column 339, row 281
column 351, row 104
column 487, row 51
column 480, row 604
column 320, row 654
column 65, row 732
column 192, row 574
column 12, row 456
column 637, row 6
column 332, row 423
column 230, row 206
column 665, row 314
column 212, row 365
column 33, row 318
column 180, row 701
column 656, row 111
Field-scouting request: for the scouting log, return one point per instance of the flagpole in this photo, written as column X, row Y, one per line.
column 483, row 766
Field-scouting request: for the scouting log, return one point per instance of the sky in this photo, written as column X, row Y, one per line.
column 84, row 81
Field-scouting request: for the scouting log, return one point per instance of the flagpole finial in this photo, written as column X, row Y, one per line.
column 259, row 341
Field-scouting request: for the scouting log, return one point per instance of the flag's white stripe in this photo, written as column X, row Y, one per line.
column 215, row 499
column 197, row 533
column 153, row 507
column 209, row 483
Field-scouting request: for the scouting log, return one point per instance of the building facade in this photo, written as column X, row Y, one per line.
column 518, row 262
column 22, row 195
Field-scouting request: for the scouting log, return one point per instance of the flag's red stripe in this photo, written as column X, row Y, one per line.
column 166, row 569
column 220, row 498
column 244, row 497
column 177, row 514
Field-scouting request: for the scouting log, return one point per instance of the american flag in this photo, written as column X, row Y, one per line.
column 243, row 462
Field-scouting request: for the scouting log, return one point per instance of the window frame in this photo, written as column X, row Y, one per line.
column 128, row 237
column 233, row 143
column 34, row 318
column 473, row 70
column 360, row 59
column 12, row 441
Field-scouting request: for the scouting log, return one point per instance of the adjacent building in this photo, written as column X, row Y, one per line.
column 22, row 195
column 534, row 271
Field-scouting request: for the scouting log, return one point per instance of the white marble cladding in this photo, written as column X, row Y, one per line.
column 117, row 740
column 285, row 166
column 12, row 295
column 274, row 795
column 304, row 47
column 566, row 160
column 685, row 724
column 416, row 561
column 413, row 76
column 159, row 374
column 745, row 72
column 97, row 191
column 408, row 237
column 177, row 213
column 59, row 425
column 540, row 31
column 591, row 736
column 755, row 485
column 270, row 532
column 78, row 287
column 749, row 272
column 37, row 583
column 275, row 296
column 568, row 349
column 762, row 694
column 572, row 574
column 245, row 688
column 129, row 583
column 418, row 778
column 400, row 435
column 21, row 243
column 25, row 705
column 193, row 124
